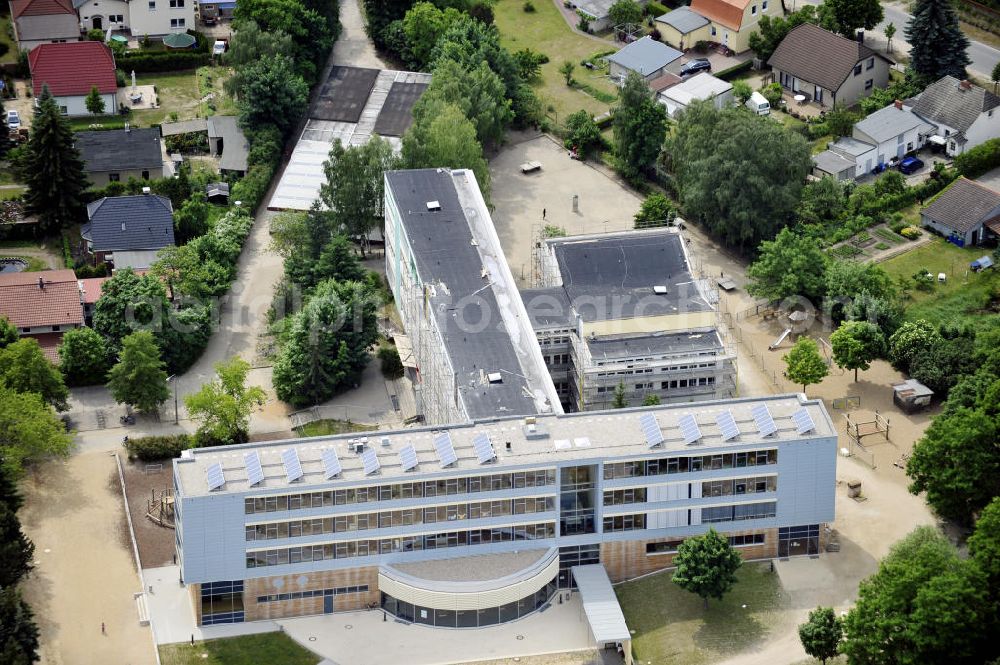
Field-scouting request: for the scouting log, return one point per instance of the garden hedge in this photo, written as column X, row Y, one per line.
column 154, row 448
column 145, row 62
column 977, row 161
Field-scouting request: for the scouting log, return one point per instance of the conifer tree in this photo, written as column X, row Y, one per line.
column 939, row 47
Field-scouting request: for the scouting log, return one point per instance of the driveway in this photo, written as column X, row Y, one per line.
column 990, row 179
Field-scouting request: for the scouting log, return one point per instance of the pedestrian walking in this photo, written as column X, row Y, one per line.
column 543, row 214
column 103, row 632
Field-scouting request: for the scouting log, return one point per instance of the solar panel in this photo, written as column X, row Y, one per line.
column 331, row 463
column 370, row 461
column 730, row 430
column 484, row 448
column 762, row 417
column 255, row 474
column 651, row 429
column 216, row 478
column 408, row 457
column 293, row 470
column 689, row 428
column 803, row 421
column 445, row 449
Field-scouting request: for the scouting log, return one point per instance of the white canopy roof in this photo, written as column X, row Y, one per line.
column 600, row 604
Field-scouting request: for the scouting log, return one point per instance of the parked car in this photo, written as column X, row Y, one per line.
column 910, row 165
column 219, row 47
column 759, row 104
column 13, row 120
column 695, row 66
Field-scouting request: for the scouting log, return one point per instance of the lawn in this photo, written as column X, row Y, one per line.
column 672, row 625
column 8, row 192
column 328, row 427
column 180, row 94
column 270, row 648
column 546, row 31
column 965, row 296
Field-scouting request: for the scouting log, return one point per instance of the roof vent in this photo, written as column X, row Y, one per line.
column 495, row 377
column 660, row 290
column 433, row 206
column 146, row 191
column 385, row 442
column 123, row 225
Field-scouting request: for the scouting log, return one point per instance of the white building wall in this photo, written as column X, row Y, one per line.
column 76, row 105
column 153, row 17
column 986, row 127
column 104, row 9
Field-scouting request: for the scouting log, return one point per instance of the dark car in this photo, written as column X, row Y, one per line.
column 910, row 165
column 695, row 66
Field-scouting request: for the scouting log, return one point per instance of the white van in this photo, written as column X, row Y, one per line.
column 758, row 104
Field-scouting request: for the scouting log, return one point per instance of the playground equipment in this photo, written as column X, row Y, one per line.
column 781, row 338
column 161, row 509
column 857, row 430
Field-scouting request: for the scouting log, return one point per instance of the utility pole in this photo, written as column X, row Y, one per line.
column 173, row 379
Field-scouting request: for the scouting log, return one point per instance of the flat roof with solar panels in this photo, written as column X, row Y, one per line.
column 510, row 443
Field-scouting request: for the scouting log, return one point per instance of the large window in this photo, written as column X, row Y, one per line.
column 625, row 522
column 743, row 511
column 670, row 465
column 469, row 618
column 576, row 500
column 738, row 486
column 622, row 497
column 798, row 540
column 575, row 555
column 222, row 602
column 312, row 593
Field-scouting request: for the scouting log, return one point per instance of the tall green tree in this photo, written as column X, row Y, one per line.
column 582, row 134
column 338, row 261
column 30, row 430
column 772, row 29
column 138, row 379
column 639, row 123
column 223, row 406
column 250, row 43
column 984, row 545
column 271, row 93
column 619, row 401
column 790, row 265
column 423, row 25
column 625, row 11
column 130, row 302
column 52, row 168
column 739, row 175
column 8, row 332
column 651, row 400
column 706, row 565
column 804, row 364
column 18, row 632
column 94, row 102
column 890, row 32
column 938, row 47
column 24, row 368
column 849, row 16
column 15, row 549
column 910, row 340
column 191, row 219
column 83, row 357
column 10, row 495
column 479, row 92
column 823, row 203
column 856, row 344
column 444, row 137
column 326, row 345
column 845, row 280
column 379, row 14
column 822, row 633
column 656, row 210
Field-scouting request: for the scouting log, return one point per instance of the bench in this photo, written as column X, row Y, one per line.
column 531, row 167
column 140, row 603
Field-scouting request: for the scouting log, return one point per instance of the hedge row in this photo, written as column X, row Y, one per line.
column 154, row 448
column 732, row 72
column 145, row 62
column 977, row 161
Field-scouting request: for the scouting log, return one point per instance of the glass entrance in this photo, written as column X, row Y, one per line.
column 798, row 540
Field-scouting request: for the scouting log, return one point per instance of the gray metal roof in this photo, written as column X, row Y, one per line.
column 600, row 604
column 611, row 348
column 645, row 56
column 853, row 147
column 833, row 163
column 137, row 259
column 889, row 122
column 235, row 147
column 950, row 103
column 121, row 150
column 129, row 222
column 683, row 19
column 598, row 9
column 457, row 253
column 184, row 127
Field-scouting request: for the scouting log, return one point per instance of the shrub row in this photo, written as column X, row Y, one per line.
column 145, row 62
column 154, row 448
column 733, row 72
column 977, row 161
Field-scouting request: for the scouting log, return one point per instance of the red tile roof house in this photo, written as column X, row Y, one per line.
column 71, row 70
column 44, row 22
column 42, row 305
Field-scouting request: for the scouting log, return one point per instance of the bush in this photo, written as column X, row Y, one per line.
column 67, row 253
column 977, row 161
column 736, row 70
column 655, row 34
column 583, row 25
column 96, row 35
column 529, row 7
column 701, row 46
column 155, row 448
column 655, row 9
column 910, row 232
column 392, row 366
column 162, row 61
column 250, row 190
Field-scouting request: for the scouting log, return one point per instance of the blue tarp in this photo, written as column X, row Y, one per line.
column 982, row 263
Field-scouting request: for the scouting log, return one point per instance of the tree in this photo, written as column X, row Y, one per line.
column 83, row 357
column 223, row 406
column 566, row 69
column 191, row 219
column 984, row 543
column 995, row 76
column 791, row 265
column 846, row 279
column 444, row 137
column 18, row 632
column 822, row 203
column 957, row 463
column 850, row 15
column 619, row 400
column 477, row 91
column 392, row 364
column 886, row 313
column 250, row 43
column 24, row 368
column 651, row 400
column 52, row 168
column 890, row 32
column 706, row 565
column 130, row 302
column 138, row 379
column 326, row 345
column 339, row 262
column 805, row 364
column 271, row 93
column 311, row 31
column 639, row 123
column 5, row 143
column 909, row 340
column 15, row 549
column 739, row 175
column 10, row 495
column 582, row 134
column 822, row 633
column 625, row 12
column 8, row 332
column 355, row 181
column 656, row 210
column 94, row 102
column 772, row 29
column 938, row 47
column 29, row 430
column 856, row 344
column 841, row 121
column 742, row 90
column 423, row 25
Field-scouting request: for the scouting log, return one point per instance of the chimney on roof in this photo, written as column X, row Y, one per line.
column 899, row 104
column 861, row 36
column 41, row 283
column 146, row 190
column 128, row 130
column 964, row 84
column 123, row 225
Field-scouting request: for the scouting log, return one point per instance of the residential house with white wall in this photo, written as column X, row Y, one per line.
column 71, row 71
column 965, row 114
column 43, row 22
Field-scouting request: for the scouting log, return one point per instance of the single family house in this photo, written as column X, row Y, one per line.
column 647, row 57
column 71, row 71
column 682, row 28
column 119, row 154
column 104, row 14
column 128, row 231
column 38, row 22
column 702, row 86
column 731, row 22
column 142, row 18
column 966, row 213
column 42, row 305
column 965, row 114
column 826, row 67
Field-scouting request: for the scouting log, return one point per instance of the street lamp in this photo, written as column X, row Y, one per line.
column 173, row 379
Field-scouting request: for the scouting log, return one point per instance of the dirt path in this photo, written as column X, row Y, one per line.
column 84, row 572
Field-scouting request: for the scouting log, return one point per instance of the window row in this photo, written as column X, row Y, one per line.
column 747, row 539
column 622, row 497
column 746, row 511
column 394, row 518
column 670, row 546
column 625, row 522
column 431, row 488
column 665, row 465
column 735, row 486
column 356, row 548
column 314, row 593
